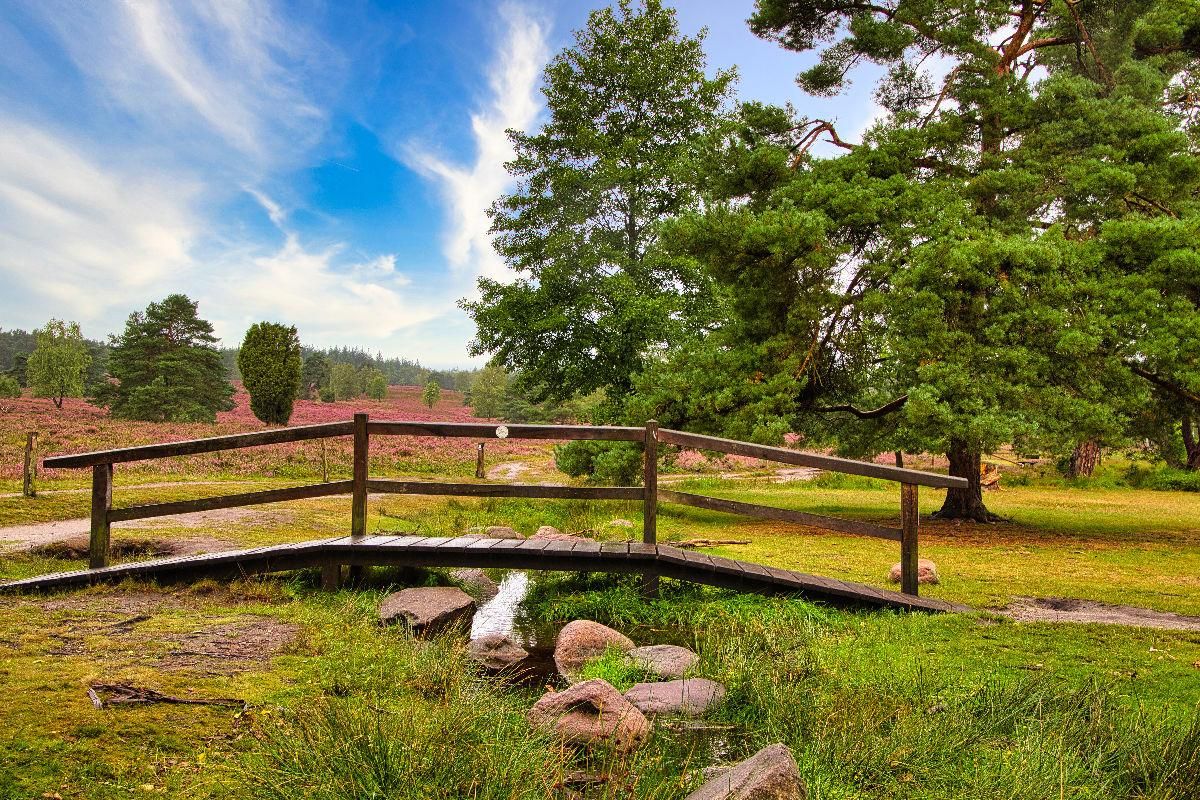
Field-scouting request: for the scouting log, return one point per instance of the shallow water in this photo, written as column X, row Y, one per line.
column 707, row 742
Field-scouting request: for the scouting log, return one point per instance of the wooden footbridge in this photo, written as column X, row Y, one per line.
column 360, row 550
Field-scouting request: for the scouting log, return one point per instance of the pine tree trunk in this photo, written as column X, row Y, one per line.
column 965, row 462
column 1084, row 459
column 1191, row 443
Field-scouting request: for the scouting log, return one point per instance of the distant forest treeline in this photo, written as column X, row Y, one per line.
column 398, row 371
column 17, row 344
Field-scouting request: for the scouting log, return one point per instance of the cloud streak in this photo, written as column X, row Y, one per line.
column 469, row 190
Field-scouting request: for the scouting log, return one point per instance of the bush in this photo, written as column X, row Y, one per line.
column 9, row 386
column 1174, row 480
column 618, row 463
column 431, row 395
column 375, row 383
column 326, row 395
column 269, row 361
column 345, row 381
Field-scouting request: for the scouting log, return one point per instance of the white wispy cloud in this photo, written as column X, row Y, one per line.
column 82, row 233
column 468, row 190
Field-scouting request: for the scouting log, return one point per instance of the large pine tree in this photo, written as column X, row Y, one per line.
column 947, row 282
column 166, row 367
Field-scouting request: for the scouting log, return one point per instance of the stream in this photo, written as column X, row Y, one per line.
column 707, row 742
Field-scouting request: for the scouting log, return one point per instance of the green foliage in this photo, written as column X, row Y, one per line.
column 618, row 463
column 346, row 381
column 314, row 375
column 978, row 267
column 269, row 361
column 165, row 367
column 592, row 297
column 9, row 386
column 1174, row 480
column 327, row 395
column 431, row 394
column 374, row 384
column 489, row 390
column 59, row 363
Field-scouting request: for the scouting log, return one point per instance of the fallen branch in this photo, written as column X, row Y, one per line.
column 128, row 694
column 692, row 544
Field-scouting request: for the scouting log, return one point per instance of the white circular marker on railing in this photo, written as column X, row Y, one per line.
column 502, row 432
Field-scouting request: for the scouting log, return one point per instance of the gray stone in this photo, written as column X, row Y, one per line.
column 769, row 774
column 476, row 581
column 427, row 609
column 547, row 532
column 927, row 572
column 502, row 532
column 664, row 660
column 690, row 697
column 582, row 640
column 497, row 652
column 591, row 713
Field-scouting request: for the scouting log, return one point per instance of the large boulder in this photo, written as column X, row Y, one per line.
column 427, row 609
column 476, row 582
column 502, row 532
column 663, row 660
column 769, row 774
column 690, row 697
column 582, row 640
column 927, row 572
column 591, row 713
column 497, row 652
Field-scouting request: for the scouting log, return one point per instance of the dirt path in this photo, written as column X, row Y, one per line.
column 508, row 471
column 1060, row 609
column 37, row 534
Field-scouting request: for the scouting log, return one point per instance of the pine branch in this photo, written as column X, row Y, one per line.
column 882, row 411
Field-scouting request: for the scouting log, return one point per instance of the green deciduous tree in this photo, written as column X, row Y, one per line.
column 166, row 367
column 59, row 363
column 9, row 386
column 431, row 394
column 939, row 285
column 346, row 381
column 591, row 299
column 488, row 391
column 269, row 361
column 374, row 383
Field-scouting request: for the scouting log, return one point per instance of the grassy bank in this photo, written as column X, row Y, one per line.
column 872, row 704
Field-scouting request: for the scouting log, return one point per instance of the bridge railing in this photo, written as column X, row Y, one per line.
column 361, row 428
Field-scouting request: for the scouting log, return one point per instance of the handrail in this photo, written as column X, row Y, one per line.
column 211, row 444
column 361, row 428
column 801, row 459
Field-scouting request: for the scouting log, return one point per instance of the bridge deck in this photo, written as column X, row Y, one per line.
column 471, row 551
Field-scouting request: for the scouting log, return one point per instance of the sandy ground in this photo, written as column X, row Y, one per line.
column 1062, row 609
column 507, row 471
column 18, row 537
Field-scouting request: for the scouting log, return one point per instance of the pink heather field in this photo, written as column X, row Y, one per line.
column 80, row 427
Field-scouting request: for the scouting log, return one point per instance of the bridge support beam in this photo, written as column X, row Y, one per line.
column 650, row 501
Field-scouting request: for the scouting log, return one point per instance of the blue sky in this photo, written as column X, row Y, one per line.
column 322, row 164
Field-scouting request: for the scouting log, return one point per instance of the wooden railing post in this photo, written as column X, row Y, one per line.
column 479, row 461
column 358, row 505
column 30, row 474
column 358, row 501
column 909, row 517
column 102, row 480
column 650, row 500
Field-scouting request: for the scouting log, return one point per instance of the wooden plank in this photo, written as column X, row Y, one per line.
column 194, row 446
column 460, row 541
column 614, row 549
column 102, row 481
column 475, row 430
column 508, row 544
column 484, row 544
column 589, row 549
column 782, row 514
column 909, row 519
column 358, row 502
column 831, row 463
column 533, row 545
column 505, row 490
column 229, row 501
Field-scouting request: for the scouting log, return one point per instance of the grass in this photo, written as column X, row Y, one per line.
column 871, row 704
